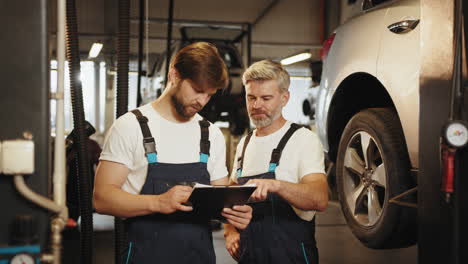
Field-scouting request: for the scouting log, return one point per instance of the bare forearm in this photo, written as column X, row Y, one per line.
column 114, row 201
column 305, row 196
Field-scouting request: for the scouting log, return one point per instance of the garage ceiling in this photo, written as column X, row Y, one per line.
column 280, row 28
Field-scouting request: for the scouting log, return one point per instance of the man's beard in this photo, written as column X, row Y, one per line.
column 268, row 120
column 181, row 108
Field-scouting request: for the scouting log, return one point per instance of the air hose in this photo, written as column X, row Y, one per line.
column 123, row 50
column 83, row 167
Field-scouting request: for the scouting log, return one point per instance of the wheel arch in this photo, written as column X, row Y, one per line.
column 356, row 92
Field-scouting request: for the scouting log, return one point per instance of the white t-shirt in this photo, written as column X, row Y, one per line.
column 302, row 155
column 175, row 143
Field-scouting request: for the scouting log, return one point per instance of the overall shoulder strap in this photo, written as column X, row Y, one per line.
column 246, row 142
column 148, row 141
column 204, row 140
column 276, row 154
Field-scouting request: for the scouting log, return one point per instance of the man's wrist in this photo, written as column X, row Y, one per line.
column 153, row 203
column 278, row 186
column 229, row 229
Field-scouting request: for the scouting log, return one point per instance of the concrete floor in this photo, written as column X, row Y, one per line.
column 336, row 244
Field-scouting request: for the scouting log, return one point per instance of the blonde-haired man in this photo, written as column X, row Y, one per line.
column 286, row 162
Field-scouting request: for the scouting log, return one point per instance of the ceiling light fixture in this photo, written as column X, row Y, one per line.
column 95, row 49
column 296, row 58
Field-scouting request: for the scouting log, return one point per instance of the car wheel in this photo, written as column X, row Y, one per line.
column 372, row 167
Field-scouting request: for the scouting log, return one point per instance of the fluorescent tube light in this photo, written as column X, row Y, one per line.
column 95, row 49
column 296, row 58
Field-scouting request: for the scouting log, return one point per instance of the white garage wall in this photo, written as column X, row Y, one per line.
column 88, row 89
column 298, row 93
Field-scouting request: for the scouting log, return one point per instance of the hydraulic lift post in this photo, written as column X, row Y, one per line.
column 442, row 224
column 25, row 109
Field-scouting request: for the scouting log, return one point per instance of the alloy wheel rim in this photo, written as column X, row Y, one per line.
column 364, row 179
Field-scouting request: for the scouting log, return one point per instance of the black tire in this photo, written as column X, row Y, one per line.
column 381, row 174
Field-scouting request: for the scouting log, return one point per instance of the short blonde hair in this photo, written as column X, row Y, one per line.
column 266, row 70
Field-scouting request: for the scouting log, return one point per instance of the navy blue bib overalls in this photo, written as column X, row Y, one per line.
column 276, row 234
column 180, row 237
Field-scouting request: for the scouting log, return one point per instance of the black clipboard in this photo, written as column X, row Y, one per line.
column 209, row 200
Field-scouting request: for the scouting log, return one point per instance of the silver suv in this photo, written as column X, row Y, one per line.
column 367, row 118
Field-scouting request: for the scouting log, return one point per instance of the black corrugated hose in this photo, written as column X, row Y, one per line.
column 170, row 21
column 123, row 50
column 83, row 182
column 140, row 50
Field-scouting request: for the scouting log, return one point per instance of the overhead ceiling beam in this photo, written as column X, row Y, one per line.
column 196, row 23
column 264, row 12
column 292, row 45
column 189, row 22
column 161, row 38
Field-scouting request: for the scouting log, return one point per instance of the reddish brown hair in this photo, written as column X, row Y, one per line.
column 201, row 63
